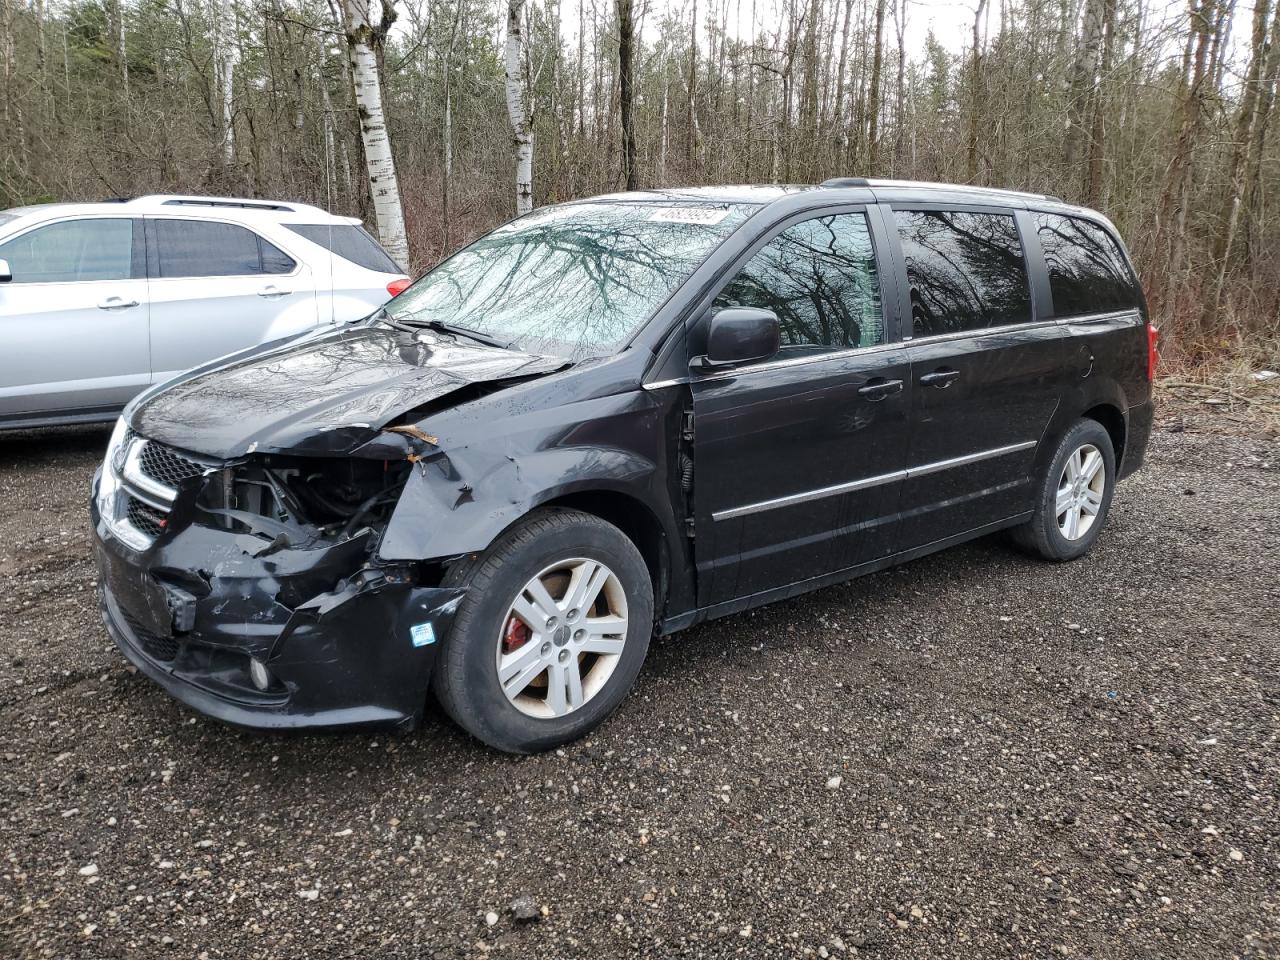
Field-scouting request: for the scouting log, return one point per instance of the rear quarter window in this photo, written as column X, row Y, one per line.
column 348, row 241
column 1088, row 273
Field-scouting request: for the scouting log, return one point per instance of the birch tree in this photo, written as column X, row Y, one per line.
column 521, row 129
column 226, row 52
column 384, row 188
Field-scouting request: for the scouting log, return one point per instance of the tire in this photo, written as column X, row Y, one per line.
column 1048, row 533
column 557, row 548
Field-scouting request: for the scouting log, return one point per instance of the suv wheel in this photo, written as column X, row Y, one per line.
column 550, row 635
column 1074, row 495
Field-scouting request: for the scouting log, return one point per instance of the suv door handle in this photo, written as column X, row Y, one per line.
column 940, row 378
column 272, row 292
column 117, row 303
column 878, row 388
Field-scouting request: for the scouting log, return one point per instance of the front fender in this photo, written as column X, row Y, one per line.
column 460, row 499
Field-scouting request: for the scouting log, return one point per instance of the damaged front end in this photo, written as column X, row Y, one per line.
column 251, row 589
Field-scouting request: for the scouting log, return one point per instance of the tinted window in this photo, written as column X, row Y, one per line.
column 72, row 250
column 348, row 242
column 197, row 248
column 1087, row 271
column 820, row 278
column 966, row 270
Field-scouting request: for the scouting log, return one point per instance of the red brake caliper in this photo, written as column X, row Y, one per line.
column 516, row 636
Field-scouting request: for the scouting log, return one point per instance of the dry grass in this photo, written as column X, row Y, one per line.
column 1236, row 389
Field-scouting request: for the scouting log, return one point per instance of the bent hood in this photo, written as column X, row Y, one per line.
column 322, row 395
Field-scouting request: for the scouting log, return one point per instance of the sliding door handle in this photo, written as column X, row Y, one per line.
column 878, row 388
column 117, row 303
column 940, row 378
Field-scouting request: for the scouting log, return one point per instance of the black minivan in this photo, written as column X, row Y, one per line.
column 613, row 418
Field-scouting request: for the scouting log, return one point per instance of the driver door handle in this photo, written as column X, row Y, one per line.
column 272, row 292
column 940, row 378
column 878, row 388
column 117, row 303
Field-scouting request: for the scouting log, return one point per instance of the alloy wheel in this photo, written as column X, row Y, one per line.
column 1080, row 491
column 562, row 638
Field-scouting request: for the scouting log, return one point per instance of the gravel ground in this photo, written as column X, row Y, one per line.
column 975, row 755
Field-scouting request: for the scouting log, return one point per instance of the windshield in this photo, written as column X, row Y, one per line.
column 576, row 280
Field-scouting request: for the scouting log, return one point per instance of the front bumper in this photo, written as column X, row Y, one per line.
column 343, row 647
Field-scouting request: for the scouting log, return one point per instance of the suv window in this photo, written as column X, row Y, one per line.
column 819, row 276
column 202, row 248
column 71, row 251
column 349, row 242
column 1087, row 271
column 966, row 270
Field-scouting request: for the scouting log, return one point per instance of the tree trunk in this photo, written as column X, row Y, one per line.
column 691, row 141
column 1175, row 194
column 521, row 132
column 626, row 37
column 1097, row 136
column 228, row 48
column 1083, row 78
column 975, row 111
column 1253, row 166
column 873, row 95
column 383, row 185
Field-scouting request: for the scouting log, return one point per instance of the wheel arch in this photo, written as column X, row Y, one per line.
column 1113, row 421
column 638, row 523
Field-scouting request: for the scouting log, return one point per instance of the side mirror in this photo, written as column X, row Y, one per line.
column 740, row 335
column 6, row 274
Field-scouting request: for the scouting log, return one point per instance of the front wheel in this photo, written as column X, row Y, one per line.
column 1074, row 495
column 550, row 635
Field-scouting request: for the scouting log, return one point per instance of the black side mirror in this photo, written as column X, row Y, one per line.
column 5, row 273
column 740, row 335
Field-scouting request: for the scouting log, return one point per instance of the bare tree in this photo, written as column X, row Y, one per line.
column 363, row 39
column 517, row 113
column 626, row 40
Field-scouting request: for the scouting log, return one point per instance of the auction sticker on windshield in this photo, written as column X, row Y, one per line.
column 697, row 215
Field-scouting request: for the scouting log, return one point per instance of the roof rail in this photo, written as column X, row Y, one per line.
column 213, row 202
column 929, row 185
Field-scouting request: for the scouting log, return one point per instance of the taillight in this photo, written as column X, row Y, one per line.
column 396, row 287
column 1153, row 355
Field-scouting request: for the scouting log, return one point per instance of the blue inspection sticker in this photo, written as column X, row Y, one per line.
column 422, row 634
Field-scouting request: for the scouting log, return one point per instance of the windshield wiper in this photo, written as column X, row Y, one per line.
column 441, row 327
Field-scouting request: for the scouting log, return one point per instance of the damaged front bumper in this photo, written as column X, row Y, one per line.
column 338, row 642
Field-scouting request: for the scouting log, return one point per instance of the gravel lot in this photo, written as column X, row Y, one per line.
column 975, row 755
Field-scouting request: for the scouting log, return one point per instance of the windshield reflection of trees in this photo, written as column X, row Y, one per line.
column 966, row 271
column 819, row 278
column 576, row 287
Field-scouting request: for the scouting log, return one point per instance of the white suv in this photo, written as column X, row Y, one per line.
column 100, row 300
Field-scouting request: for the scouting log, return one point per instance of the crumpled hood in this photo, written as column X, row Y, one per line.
column 325, row 394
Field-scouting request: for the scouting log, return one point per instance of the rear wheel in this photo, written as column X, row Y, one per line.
column 550, row 635
column 1074, row 495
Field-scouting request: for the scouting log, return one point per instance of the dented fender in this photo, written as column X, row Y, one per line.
column 464, row 492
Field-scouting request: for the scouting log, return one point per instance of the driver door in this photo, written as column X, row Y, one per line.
column 799, row 458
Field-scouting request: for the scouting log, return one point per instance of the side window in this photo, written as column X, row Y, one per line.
column 820, row 278
column 72, row 251
column 1087, row 271
column 349, row 242
column 200, row 248
column 966, row 270
column 274, row 260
